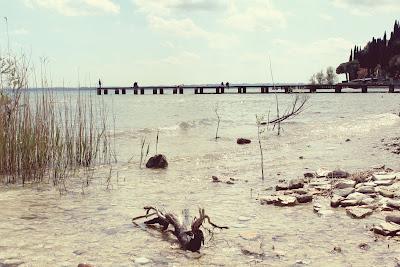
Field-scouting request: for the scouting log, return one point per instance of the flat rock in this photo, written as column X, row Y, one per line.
column 387, row 229
column 344, row 192
column 349, row 202
column 296, row 183
column 384, row 182
column 358, row 213
column 322, row 172
column 244, row 219
column 338, row 174
column 367, row 201
column 383, row 176
column 268, row 200
column 371, row 184
column 249, row 235
column 366, row 189
column 393, row 219
column 394, row 204
column 286, row 201
column 304, row 198
column 142, row 260
column 281, row 187
column 336, row 200
column 342, row 184
column 385, row 193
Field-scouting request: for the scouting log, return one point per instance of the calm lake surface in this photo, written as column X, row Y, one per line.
column 38, row 227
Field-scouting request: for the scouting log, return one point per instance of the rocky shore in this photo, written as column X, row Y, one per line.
column 361, row 194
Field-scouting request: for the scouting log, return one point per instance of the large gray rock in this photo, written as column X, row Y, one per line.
column 305, row 198
column 385, row 193
column 157, row 162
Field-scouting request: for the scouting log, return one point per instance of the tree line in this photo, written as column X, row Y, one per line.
column 380, row 58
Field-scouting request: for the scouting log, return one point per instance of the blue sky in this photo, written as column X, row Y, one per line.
column 190, row 41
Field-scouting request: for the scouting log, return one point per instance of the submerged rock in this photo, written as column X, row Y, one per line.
column 243, row 141
column 393, row 218
column 304, row 198
column 142, row 260
column 359, row 213
column 157, row 162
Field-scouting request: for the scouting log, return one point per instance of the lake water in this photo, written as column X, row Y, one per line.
column 38, row 227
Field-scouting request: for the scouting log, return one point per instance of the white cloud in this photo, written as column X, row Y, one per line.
column 183, row 58
column 166, row 7
column 255, row 16
column 76, row 7
column 162, row 16
column 368, row 7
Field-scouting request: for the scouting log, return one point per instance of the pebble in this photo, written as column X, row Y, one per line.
column 335, row 201
column 393, row 218
column 244, row 219
column 142, row 260
column 280, row 187
column 394, row 204
column 304, row 198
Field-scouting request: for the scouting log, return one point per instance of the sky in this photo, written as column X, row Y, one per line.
column 156, row 42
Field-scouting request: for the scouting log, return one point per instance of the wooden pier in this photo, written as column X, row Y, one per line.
column 355, row 87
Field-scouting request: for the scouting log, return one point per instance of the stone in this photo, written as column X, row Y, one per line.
column 300, row 191
column 85, row 265
column 393, row 219
column 321, row 210
column 142, row 260
column 349, row 202
column 383, row 176
column 358, row 213
column 336, row 200
column 230, row 182
column 268, row 200
column 309, row 175
column 281, row 187
column 252, row 248
column 243, row 141
column 304, row 198
column 394, row 204
column 284, row 201
column 384, row 182
column 366, row 189
column 387, row 229
column 157, row 162
column 249, row 235
column 385, row 193
column 322, row 172
column 215, row 179
column 378, row 167
column 338, row 174
column 342, row 184
column 296, row 184
column 344, row 192
column 244, row 219
column 356, row 196
column 370, row 184
column 363, row 246
column 367, row 201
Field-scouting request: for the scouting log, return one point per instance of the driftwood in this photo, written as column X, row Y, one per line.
column 297, row 107
column 188, row 239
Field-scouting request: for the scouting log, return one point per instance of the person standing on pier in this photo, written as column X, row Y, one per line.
column 99, row 83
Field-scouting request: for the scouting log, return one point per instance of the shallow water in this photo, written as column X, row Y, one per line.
column 38, row 227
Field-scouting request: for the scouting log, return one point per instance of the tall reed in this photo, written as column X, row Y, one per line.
column 43, row 137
